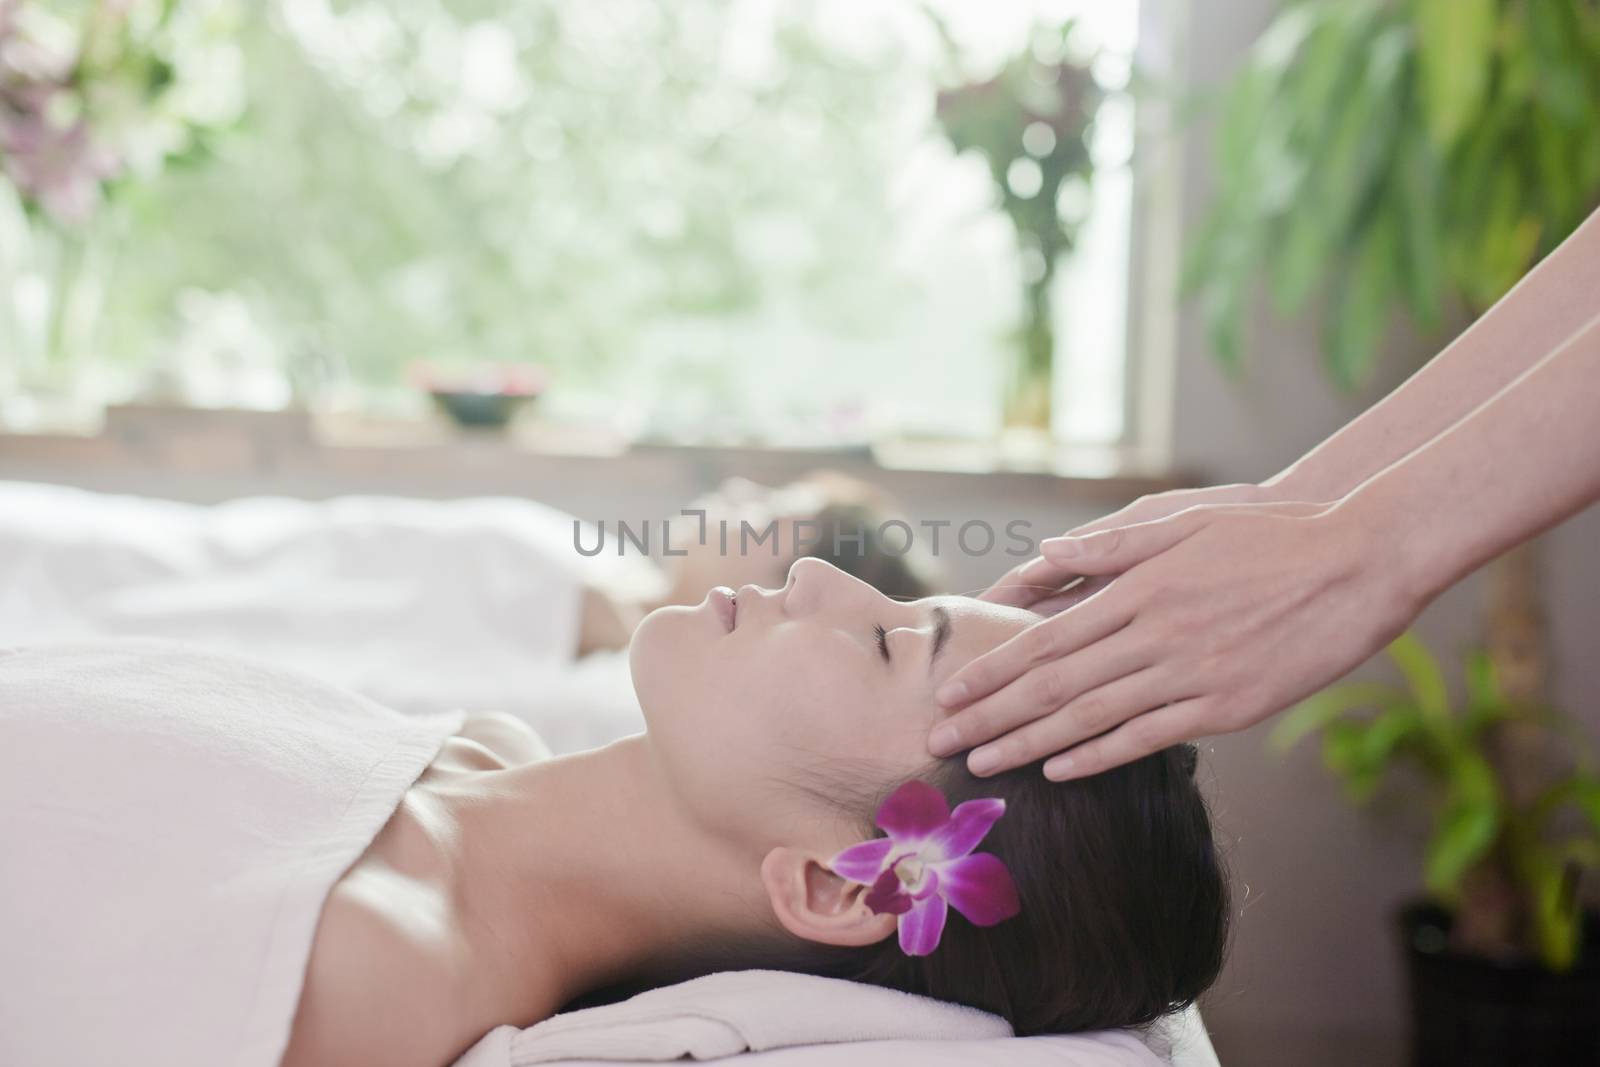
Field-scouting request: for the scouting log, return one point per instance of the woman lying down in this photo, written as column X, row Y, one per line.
column 211, row 861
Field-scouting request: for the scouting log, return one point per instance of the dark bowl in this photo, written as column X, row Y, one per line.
column 480, row 411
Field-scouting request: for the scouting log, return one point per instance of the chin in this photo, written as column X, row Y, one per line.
column 659, row 653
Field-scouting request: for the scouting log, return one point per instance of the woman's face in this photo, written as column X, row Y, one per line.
column 747, row 694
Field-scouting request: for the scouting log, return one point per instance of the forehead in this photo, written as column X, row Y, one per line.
column 975, row 627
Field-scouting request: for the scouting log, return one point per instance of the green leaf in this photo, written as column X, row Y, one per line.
column 1222, row 304
column 1455, row 48
column 1485, row 703
column 1473, row 780
column 1244, row 112
column 1317, row 711
column 1205, row 250
column 1422, row 674
column 1421, row 207
column 1276, row 50
column 1586, row 795
column 1379, row 740
column 1556, row 916
column 1510, row 237
column 1341, row 746
column 1483, row 683
column 1387, row 731
column 1361, row 309
column 1352, row 161
column 1328, row 53
column 1299, row 260
column 1464, row 836
column 1519, row 63
column 1556, row 50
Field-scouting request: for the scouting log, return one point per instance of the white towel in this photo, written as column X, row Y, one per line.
column 795, row 1020
column 721, row 1014
column 170, row 824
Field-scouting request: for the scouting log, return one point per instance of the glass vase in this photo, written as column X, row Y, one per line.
column 52, row 294
column 1025, row 436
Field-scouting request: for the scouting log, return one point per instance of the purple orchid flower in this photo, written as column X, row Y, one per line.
column 926, row 865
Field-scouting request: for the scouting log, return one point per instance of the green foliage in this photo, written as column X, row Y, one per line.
column 1368, row 729
column 542, row 181
column 1414, row 153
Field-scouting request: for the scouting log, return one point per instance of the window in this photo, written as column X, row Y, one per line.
column 709, row 218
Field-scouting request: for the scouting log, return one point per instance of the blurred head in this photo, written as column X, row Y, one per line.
column 782, row 719
column 823, row 515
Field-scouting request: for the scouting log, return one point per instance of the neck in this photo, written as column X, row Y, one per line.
column 584, row 872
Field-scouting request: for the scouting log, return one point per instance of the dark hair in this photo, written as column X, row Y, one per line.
column 1125, row 903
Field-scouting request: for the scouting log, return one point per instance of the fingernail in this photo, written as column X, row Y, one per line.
column 944, row 740
column 983, row 760
column 1058, row 769
column 1062, row 546
column 951, row 693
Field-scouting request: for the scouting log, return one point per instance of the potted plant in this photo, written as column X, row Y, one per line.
column 1503, row 961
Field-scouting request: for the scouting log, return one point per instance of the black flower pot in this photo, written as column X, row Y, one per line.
column 1469, row 1011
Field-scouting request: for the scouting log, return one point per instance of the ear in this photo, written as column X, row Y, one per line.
column 817, row 905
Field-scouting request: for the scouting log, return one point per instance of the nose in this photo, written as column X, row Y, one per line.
column 814, row 583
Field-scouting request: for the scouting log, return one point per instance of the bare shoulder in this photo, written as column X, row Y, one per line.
column 506, row 736
column 377, row 986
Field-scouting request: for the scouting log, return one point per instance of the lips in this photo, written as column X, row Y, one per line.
column 726, row 604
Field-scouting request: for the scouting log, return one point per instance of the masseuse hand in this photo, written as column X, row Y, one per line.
column 1219, row 616
column 1041, row 584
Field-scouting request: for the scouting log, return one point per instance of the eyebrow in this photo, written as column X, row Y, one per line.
column 941, row 635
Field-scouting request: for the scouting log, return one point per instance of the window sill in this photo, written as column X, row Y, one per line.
column 345, row 454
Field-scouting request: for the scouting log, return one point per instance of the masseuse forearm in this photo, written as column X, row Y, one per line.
column 1551, row 304
column 1523, row 461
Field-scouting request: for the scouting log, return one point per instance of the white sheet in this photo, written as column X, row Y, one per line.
column 423, row 606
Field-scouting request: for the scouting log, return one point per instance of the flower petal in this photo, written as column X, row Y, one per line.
column 887, row 897
column 913, row 811
column 864, row 862
column 966, row 827
column 922, row 926
column 979, row 887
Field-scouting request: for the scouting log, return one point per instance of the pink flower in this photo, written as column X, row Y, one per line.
column 60, row 167
column 926, row 865
column 47, row 149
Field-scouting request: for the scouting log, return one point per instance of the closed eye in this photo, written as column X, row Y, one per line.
column 883, row 641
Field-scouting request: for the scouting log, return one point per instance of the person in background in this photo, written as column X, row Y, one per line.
column 420, row 604
column 823, row 515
